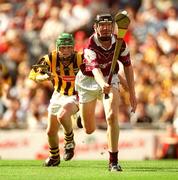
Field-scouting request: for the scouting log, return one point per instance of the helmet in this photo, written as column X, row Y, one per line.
column 65, row 39
column 103, row 18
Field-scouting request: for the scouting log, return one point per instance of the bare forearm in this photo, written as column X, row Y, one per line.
column 131, row 85
column 130, row 79
column 123, row 82
column 99, row 77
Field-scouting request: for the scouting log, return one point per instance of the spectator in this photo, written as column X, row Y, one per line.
column 141, row 114
column 52, row 27
column 5, row 17
column 172, row 21
column 13, row 117
column 168, row 144
column 155, row 107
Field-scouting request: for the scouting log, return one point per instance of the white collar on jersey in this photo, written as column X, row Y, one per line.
column 113, row 40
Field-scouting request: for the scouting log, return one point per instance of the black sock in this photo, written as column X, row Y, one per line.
column 113, row 157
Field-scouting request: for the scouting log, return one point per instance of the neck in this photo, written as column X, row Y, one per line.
column 106, row 44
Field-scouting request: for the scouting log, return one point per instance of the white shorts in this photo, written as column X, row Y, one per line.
column 57, row 101
column 88, row 89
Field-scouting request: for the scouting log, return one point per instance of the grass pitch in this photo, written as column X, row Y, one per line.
column 88, row 170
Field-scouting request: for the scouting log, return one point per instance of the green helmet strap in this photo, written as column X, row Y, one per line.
column 65, row 39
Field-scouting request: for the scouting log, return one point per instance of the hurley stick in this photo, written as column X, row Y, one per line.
column 122, row 20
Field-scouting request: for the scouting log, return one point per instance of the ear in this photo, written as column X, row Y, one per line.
column 94, row 26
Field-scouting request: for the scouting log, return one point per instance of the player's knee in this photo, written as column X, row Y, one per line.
column 51, row 133
column 111, row 118
column 64, row 113
column 89, row 131
column 62, row 116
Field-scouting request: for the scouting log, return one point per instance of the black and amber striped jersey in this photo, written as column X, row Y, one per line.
column 64, row 71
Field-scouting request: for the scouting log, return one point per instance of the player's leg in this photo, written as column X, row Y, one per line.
column 87, row 113
column 79, row 122
column 53, row 141
column 64, row 116
column 111, row 111
column 88, row 92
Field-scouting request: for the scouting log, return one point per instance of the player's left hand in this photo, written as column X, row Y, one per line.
column 51, row 76
column 44, row 77
column 133, row 103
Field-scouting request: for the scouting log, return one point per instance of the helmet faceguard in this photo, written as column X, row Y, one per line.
column 101, row 19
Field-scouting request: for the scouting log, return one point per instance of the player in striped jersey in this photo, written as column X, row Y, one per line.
column 61, row 67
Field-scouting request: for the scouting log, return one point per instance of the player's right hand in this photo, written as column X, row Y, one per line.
column 106, row 88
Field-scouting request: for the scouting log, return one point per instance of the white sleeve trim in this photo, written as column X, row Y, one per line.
column 126, row 51
column 89, row 55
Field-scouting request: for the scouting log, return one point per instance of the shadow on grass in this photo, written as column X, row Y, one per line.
column 8, row 163
column 83, row 165
column 152, row 169
column 63, row 164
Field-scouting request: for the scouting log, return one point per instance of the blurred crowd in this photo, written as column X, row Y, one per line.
column 28, row 30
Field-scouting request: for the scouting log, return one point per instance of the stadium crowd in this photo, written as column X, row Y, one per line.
column 29, row 29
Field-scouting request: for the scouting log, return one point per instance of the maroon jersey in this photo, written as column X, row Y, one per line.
column 96, row 56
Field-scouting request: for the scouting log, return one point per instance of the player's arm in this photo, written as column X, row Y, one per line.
column 128, row 70
column 98, row 75
column 129, row 75
column 123, row 82
column 92, row 65
column 41, row 71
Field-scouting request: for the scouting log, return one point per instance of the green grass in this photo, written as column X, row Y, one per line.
column 88, row 170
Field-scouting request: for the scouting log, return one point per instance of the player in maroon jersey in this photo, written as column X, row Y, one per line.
column 91, row 83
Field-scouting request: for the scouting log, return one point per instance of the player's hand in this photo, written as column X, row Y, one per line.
column 51, row 76
column 106, row 88
column 125, row 86
column 133, row 103
column 44, row 77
